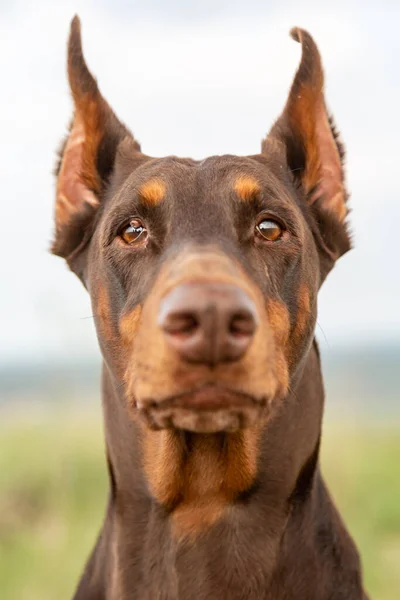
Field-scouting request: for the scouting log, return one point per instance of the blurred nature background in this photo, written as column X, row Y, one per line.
column 189, row 78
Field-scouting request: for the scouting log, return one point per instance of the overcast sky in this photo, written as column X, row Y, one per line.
column 194, row 80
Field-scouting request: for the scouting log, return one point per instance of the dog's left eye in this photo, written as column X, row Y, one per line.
column 134, row 232
column 270, row 230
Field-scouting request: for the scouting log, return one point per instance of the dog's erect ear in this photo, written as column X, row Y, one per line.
column 314, row 154
column 88, row 154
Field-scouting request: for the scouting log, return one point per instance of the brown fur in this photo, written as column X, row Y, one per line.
column 104, row 314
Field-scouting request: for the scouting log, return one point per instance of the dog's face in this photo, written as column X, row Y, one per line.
column 204, row 278
column 203, row 275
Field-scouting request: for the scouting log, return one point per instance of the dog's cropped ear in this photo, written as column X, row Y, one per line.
column 313, row 151
column 88, row 154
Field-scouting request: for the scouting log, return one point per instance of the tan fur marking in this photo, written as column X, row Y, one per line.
column 246, row 187
column 72, row 190
column 153, row 191
column 163, row 464
column 128, row 325
column 197, row 486
column 278, row 317
column 279, row 321
column 301, row 111
column 90, row 114
column 302, row 320
column 323, row 172
column 242, row 471
column 303, row 311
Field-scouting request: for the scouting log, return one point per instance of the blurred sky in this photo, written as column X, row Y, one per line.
column 194, row 79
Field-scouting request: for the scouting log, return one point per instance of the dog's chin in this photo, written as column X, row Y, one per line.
column 210, row 409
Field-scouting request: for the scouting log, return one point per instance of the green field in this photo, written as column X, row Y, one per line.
column 53, row 488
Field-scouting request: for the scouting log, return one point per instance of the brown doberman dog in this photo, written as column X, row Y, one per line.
column 203, row 277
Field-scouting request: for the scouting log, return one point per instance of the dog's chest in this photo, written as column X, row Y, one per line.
column 232, row 561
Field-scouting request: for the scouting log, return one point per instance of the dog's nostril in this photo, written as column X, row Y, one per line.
column 180, row 323
column 242, row 324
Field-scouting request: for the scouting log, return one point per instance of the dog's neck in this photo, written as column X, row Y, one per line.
column 193, row 471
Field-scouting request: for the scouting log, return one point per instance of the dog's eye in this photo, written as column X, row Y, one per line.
column 134, row 232
column 270, row 230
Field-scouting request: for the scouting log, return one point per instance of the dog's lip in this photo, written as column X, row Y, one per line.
column 207, row 397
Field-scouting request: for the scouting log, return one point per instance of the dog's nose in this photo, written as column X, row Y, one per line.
column 208, row 323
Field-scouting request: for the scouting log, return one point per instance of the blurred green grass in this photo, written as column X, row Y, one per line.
column 53, row 491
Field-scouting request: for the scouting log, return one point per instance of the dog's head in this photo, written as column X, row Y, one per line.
column 203, row 275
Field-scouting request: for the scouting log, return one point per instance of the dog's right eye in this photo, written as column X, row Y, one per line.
column 134, row 233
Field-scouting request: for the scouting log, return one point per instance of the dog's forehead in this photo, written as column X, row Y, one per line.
column 172, row 177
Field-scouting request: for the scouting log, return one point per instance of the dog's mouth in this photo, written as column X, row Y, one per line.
column 208, row 409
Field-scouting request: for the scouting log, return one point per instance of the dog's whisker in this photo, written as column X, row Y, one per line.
column 325, row 338
column 291, row 391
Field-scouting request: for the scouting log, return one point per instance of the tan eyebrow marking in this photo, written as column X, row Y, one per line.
column 153, row 191
column 246, row 187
